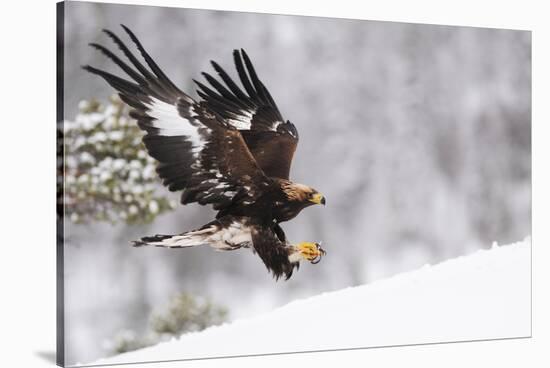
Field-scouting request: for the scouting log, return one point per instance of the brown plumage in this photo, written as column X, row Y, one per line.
column 232, row 149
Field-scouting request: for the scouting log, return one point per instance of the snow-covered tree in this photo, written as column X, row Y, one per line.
column 108, row 175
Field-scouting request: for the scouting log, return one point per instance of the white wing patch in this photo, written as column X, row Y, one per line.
column 276, row 125
column 242, row 120
column 171, row 123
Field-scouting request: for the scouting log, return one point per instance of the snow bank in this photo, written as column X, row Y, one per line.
column 485, row 295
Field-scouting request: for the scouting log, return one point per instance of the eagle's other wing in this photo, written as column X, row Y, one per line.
column 197, row 152
column 270, row 139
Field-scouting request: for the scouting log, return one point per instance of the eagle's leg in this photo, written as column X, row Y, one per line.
column 278, row 230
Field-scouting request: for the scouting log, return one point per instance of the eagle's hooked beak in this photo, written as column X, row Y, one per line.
column 318, row 198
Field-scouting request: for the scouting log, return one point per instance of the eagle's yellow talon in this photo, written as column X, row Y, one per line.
column 311, row 251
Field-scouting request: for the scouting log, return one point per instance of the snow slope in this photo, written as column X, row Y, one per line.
column 485, row 295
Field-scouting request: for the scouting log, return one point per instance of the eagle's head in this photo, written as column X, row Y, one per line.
column 302, row 194
column 307, row 251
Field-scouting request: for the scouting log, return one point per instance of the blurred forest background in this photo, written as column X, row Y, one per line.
column 418, row 135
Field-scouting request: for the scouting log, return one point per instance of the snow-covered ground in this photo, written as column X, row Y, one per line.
column 485, row 295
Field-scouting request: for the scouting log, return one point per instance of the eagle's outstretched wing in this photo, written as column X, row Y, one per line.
column 197, row 151
column 271, row 140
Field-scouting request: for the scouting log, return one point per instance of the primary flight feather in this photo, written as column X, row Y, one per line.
column 232, row 150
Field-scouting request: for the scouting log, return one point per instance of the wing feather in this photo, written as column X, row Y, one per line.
column 243, row 76
column 196, row 150
column 230, row 84
column 154, row 67
column 254, row 77
column 270, row 139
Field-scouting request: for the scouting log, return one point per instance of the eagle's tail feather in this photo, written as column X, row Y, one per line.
column 226, row 233
column 185, row 240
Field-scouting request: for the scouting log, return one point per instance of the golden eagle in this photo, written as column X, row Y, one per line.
column 232, row 149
